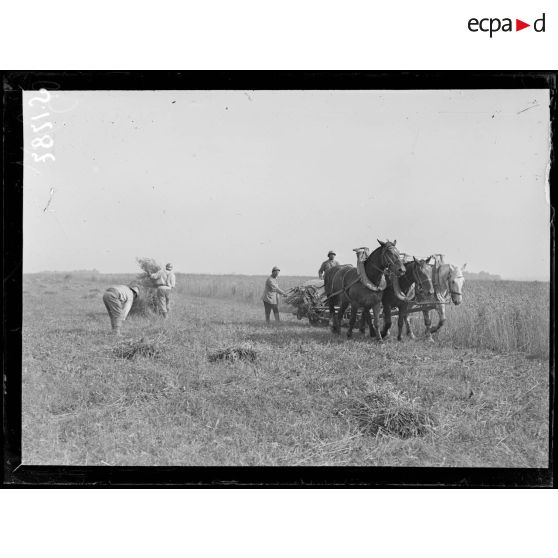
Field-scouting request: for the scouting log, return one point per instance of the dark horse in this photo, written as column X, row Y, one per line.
column 400, row 294
column 362, row 287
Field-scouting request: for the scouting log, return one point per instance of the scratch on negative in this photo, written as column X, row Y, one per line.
column 49, row 199
column 533, row 106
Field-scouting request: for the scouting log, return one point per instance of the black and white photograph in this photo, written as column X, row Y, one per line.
column 316, row 276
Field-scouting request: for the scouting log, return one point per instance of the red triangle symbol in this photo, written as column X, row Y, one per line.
column 519, row 25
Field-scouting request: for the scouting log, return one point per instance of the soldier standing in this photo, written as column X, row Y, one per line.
column 330, row 262
column 269, row 297
column 165, row 281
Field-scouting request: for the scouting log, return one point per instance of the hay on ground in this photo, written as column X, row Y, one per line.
column 387, row 414
column 233, row 354
column 151, row 348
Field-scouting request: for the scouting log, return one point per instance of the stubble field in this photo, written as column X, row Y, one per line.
column 478, row 396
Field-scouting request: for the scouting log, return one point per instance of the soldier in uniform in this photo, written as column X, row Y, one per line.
column 269, row 297
column 330, row 262
column 118, row 301
column 165, row 281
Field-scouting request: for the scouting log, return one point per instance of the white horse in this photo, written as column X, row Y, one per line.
column 447, row 280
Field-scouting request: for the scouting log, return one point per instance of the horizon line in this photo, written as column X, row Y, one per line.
column 492, row 276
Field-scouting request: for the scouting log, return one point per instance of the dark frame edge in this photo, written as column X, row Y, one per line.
column 17, row 475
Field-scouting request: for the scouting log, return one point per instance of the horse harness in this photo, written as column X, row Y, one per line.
column 343, row 290
column 417, row 280
column 383, row 271
column 438, row 283
column 454, row 292
column 416, row 287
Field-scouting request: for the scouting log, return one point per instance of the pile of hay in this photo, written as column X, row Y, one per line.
column 234, row 354
column 151, row 348
column 387, row 414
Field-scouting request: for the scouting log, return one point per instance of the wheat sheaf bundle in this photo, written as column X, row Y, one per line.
column 148, row 267
column 243, row 352
column 150, row 348
column 387, row 414
column 308, row 295
column 146, row 303
column 295, row 296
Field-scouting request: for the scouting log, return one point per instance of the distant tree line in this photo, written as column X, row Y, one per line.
column 481, row 276
column 78, row 272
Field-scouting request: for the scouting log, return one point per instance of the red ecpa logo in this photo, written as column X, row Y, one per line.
column 493, row 25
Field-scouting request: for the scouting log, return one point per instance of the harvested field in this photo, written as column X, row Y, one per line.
column 388, row 414
column 233, row 354
column 474, row 398
column 141, row 347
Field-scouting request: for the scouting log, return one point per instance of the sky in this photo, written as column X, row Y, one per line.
column 240, row 181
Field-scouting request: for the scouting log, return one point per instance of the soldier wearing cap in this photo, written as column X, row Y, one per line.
column 165, row 281
column 118, row 301
column 269, row 297
column 330, row 262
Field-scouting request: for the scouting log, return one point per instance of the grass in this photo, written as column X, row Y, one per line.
column 389, row 413
column 504, row 316
column 130, row 349
column 234, row 354
column 307, row 397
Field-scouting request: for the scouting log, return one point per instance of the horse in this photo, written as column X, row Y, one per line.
column 362, row 287
column 448, row 282
column 417, row 280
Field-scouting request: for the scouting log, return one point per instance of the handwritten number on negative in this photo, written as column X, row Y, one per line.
column 39, row 99
column 43, row 158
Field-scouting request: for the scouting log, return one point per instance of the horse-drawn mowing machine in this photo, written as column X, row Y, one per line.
column 310, row 299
